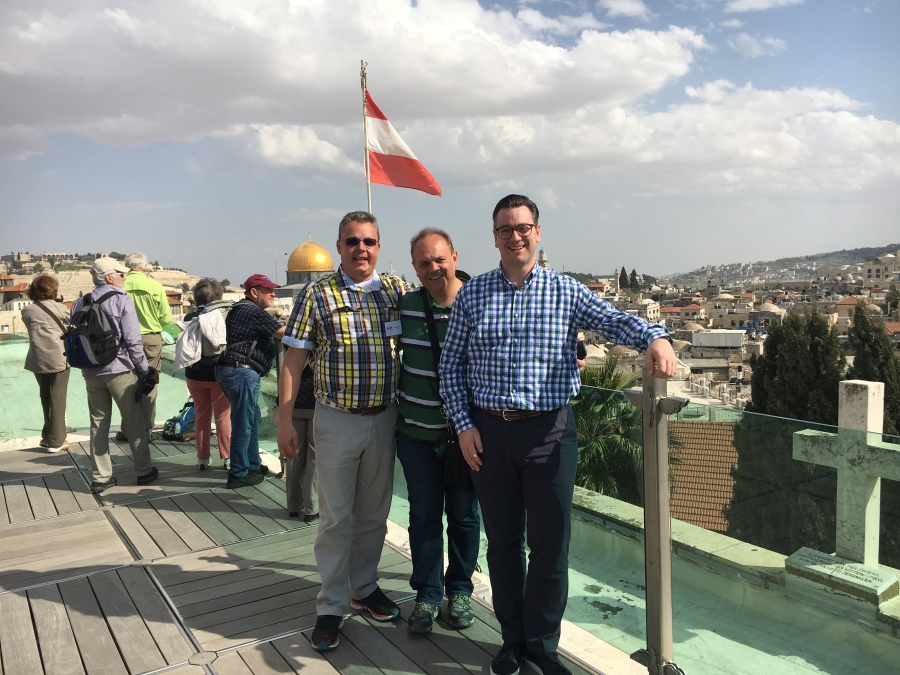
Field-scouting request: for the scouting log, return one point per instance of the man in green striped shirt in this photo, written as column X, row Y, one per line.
column 421, row 434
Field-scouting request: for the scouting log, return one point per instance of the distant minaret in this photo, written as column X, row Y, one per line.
column 542, row 260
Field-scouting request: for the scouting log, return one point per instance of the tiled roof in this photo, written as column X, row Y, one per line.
column 702, row 486
column 892, row 327
column 670, row 310
column 5, row 277
column 18, row 288
column 692, row 307
column 173, row 302
column 849, row 300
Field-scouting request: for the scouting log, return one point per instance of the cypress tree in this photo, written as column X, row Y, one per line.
column 633, row 281
column 778, row 502
column 876, row 361
column 623, row 279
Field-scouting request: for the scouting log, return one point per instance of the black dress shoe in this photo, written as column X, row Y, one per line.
column 148, row 478
column 97, row 487
column 293, row 514
column 310, row 518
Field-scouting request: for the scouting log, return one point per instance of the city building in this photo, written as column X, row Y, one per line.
column 307, row 263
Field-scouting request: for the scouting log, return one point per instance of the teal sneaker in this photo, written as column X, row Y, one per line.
column 461, row 614
column 422, row 618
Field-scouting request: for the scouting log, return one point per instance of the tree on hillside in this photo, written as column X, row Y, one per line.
column 623, row 279
column 38, row 268
column 117, row 256
column 876, row 361
column 225, row 283
column 892, row 297
column 778, row 502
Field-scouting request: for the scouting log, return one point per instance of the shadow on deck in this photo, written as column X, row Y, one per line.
column 183, row 576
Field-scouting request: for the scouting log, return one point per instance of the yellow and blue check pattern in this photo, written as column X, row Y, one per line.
column 354, row 360
column 514, row 348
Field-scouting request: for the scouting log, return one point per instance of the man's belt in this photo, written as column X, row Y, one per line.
column 235, row 364
column 374, row 410
column 512, row 415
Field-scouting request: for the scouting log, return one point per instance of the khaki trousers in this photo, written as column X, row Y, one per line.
column 53, row 387
column 153, row 343
column 102, row 390
column 355, row 463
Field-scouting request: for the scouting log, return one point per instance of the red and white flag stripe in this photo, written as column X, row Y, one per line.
column 391, row 162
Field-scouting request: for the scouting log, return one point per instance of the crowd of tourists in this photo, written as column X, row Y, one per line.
column 466, row 381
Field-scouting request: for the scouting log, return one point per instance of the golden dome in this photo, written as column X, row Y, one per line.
column 310, row 257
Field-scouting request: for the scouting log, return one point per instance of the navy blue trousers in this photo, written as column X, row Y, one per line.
column 525, row 488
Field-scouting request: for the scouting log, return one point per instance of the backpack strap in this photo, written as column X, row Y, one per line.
column 52, row 316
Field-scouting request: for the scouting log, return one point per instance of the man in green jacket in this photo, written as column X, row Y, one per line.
column 153, row 313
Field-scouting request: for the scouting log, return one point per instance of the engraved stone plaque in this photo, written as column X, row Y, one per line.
column 843, row 576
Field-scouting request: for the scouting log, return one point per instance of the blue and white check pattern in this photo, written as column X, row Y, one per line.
column 514, row 348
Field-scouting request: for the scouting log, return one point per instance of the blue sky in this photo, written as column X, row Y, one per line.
column 658, row 135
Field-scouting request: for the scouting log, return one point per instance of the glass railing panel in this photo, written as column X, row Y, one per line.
column 748, row 492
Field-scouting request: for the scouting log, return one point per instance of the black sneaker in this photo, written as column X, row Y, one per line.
column 250, row 479
column 263, row 470
column 148, row 478
column 310, row 518
column 546, row 664
column 378, row 605
column 325, row 635
column 508, row 659
column 97, row 487
column 422, row 618
column 121, row 437
column 461, row 614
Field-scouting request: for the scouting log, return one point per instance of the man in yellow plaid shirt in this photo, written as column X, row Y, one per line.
column 348, row 324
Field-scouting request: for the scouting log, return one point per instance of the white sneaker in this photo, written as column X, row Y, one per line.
column 59, row 449
column 203, row 464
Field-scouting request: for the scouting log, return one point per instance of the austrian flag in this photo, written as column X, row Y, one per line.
column 391, row 162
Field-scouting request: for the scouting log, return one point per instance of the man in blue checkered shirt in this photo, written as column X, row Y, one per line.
column 507, row 373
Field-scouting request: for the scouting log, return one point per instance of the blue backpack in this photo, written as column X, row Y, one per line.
column 182, row 425
column 91, row 340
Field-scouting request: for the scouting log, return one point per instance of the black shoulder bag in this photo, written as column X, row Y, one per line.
column 456, row 471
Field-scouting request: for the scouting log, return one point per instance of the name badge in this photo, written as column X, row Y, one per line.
column 392, row 328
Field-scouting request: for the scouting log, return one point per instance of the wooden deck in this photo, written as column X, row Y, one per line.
column 183, row 576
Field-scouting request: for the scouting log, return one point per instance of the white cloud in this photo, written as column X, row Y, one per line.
column 758, row 5
column 731, row 23
column 560, row 25
column 300, row 146
column 635, row 9
column 753, row 47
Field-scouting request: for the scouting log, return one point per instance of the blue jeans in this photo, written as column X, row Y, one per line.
column 429, row 499
column 241, row 387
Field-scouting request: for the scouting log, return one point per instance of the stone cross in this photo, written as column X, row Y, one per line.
column 861, row 460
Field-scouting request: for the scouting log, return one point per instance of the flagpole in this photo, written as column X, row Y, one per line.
column 362, row 83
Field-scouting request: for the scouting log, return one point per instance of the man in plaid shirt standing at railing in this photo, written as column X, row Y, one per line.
column 507, row 373
column 348, row 323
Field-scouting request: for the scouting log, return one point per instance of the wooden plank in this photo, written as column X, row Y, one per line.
column 378, row 649
column 163, row 449
column 17, row 503
column 135, row 642
column 136, row 534
column 270, row 507
column 300, row 656
column 424, row 653
column 206, row 521
column 248, row 606
column 455, row 643
column 347, row 659
column 81, row 491
column 59, row 651
column 251, row 513
column 190, row 534
column 274, row 489
column 156, row 527
column 232, row 664
column 227, row 516
column 265, row 660
column 155, row 614
column 16, row 465
column 37, row 547
column 18, row 644
column 229, row 597
column 259, row 627
column 39, row 497
column 63, row 500
column 4, row 514
column 85, row 561
column 95, row 642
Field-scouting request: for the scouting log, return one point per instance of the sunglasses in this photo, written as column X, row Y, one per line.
column 368, row 242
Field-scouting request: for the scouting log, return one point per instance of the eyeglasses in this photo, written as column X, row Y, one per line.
column 368, row 242
column 506, row 231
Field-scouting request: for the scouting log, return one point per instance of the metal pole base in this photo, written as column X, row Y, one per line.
column 642, row 656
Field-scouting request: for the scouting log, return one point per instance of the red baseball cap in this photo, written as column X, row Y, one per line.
column 259, row 280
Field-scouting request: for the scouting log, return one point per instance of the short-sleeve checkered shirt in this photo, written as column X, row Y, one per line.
column 514, row 348
column 343, row 326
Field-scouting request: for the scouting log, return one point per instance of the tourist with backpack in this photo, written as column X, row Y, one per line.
column 209, row 399
column 104, row 340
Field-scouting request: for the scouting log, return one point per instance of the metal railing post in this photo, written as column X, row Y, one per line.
column 656, row 405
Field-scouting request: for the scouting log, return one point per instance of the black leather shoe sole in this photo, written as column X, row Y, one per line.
column 98, row 487
column 148, row 478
